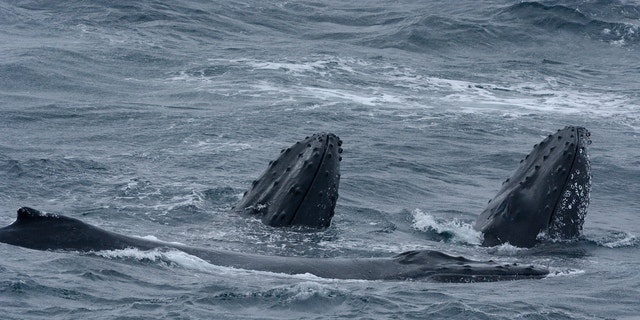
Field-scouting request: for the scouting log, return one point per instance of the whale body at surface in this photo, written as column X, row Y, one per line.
column 44, row 231
column 299, row 188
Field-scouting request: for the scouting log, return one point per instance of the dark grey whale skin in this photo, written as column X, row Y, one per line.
column 300, row 188
column 546, row 197
column 43, row 231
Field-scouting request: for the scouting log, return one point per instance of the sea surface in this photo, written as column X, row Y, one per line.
column 151, row 118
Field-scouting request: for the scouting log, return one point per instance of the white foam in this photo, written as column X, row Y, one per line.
column 322, row 66
column 549, row 95
column 154, row 238
column 506, row 249
column 308, row 290
column 209, row 145
column 362, row 98
column 526, row 97
column 387, row 86
column 292, row 67
column 627, row 240
column 194, row 198
column 171, row 257
column 177, row 258
column 556, row 272
column 137, row 254
column 462, row 232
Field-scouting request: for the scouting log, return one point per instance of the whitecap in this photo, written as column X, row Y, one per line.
column 461, row 231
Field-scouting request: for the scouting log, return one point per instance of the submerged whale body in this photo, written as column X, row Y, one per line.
column 44, row 231
column 546, row 197
column 300, row 188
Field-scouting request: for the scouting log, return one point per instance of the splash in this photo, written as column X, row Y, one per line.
column 554, row 272
column 618, row 240
column 506, row 249
column 454, row 229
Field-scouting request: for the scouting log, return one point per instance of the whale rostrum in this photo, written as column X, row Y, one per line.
column 546, row 197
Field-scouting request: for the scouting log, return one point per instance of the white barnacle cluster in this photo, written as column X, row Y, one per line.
column 51, row 215
column 572, row 207
column 44, row 214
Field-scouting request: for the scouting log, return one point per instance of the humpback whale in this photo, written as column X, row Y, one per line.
column 299, row 188
column 546, row 197
column 44, row 231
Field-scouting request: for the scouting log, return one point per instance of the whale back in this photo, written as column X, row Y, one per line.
column 39, row 230
column 547, row 196
column 44, row 231
column 300, row 188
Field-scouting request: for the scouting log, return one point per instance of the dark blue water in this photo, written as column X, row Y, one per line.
column 151, row 119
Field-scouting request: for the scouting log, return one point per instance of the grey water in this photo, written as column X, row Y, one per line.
column 151, row 119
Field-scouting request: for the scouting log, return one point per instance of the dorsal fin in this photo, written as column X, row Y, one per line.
column 26, row 213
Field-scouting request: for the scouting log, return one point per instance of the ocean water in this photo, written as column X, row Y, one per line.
column 152, row 118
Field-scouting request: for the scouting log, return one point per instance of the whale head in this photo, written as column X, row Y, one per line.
column 300, row 188
column 546, row 197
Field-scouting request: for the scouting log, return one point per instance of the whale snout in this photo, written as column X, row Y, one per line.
column 300, row 188
column 547, row 195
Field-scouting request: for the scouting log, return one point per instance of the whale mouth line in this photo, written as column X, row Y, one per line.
column 315, row 176
column 579, row 143
column 564, row 184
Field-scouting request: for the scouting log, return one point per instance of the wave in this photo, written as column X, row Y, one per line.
column 413, row 27
column 580, row 19
column 42, row 168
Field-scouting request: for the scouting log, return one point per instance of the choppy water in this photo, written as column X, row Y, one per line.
column 151, row 119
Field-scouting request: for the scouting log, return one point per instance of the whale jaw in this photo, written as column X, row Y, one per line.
column 546, row 197
column 300, row 188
